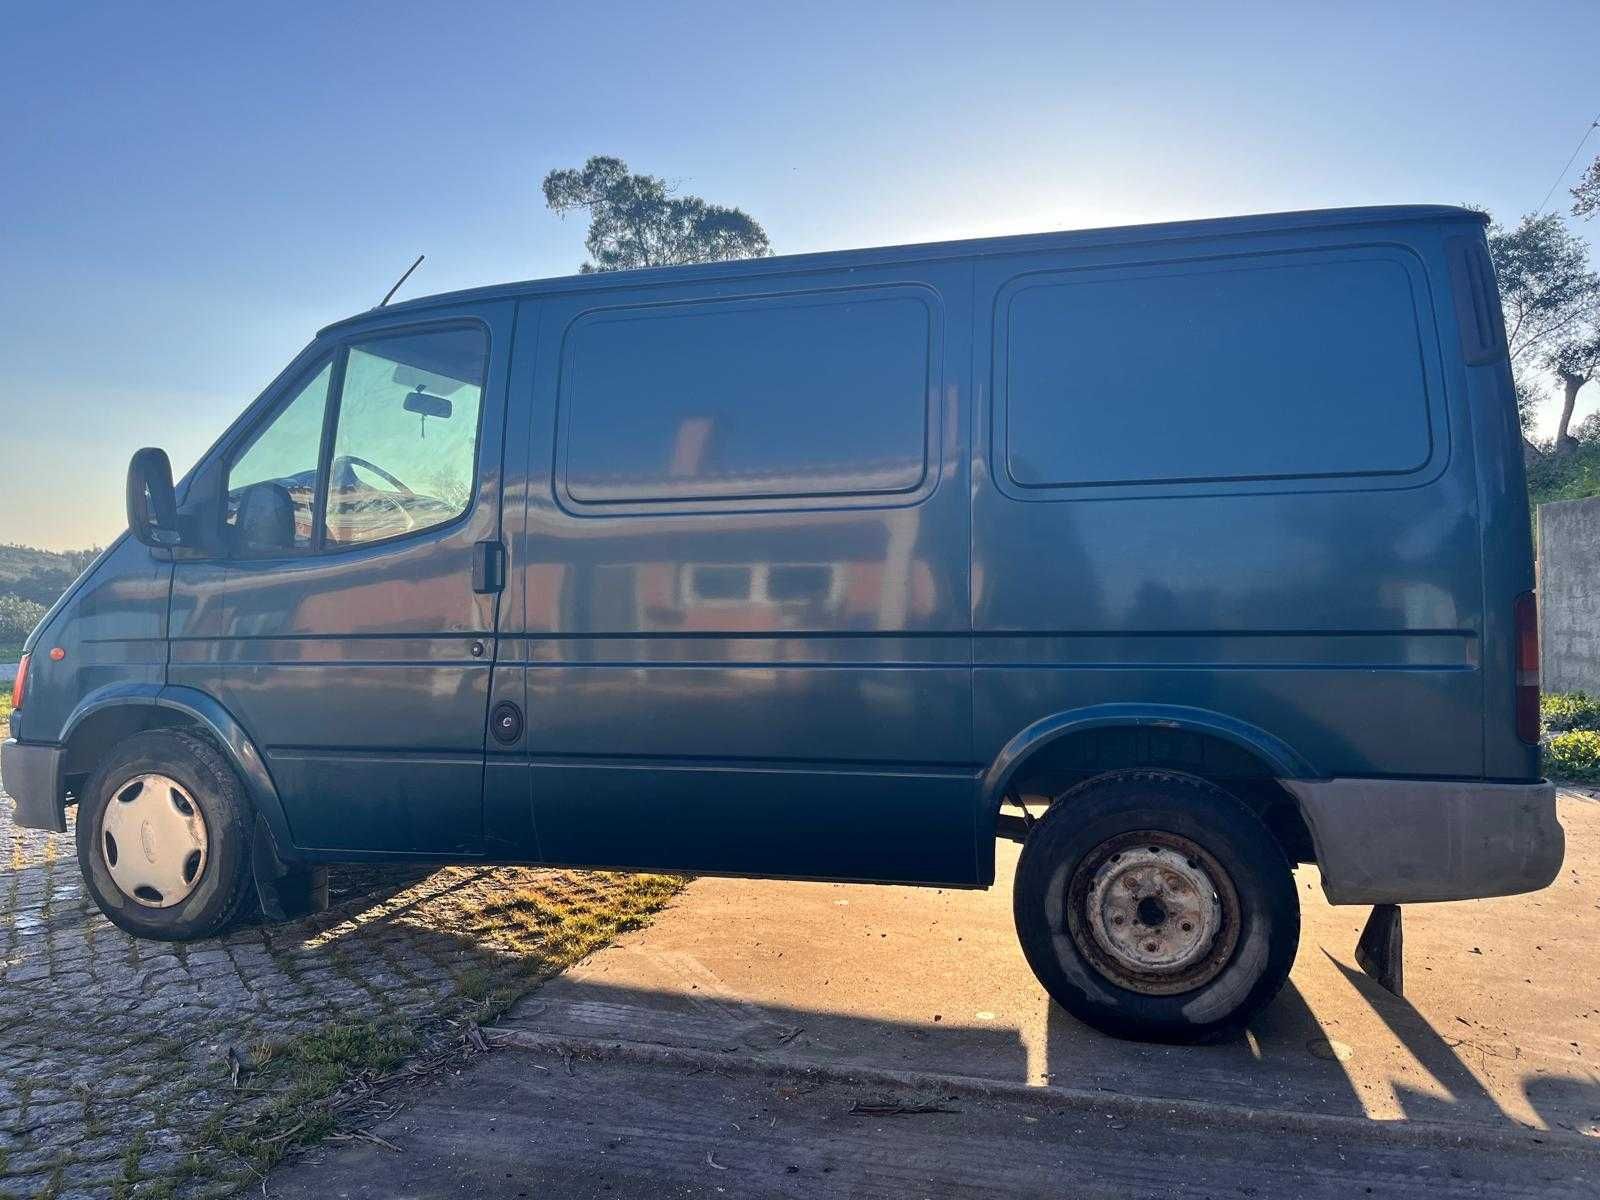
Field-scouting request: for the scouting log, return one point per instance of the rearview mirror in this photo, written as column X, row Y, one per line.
column 152, row 506
column 421, row 403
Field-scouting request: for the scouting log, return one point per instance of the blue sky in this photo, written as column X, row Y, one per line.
column 187, row 192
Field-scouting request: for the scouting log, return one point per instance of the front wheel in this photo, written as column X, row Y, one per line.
column 1155, row 905
column 164, row 837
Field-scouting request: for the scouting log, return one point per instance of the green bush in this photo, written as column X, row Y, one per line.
column 18, row 617
column 1572, row 475
column 1563, row 712
column 1574, row 756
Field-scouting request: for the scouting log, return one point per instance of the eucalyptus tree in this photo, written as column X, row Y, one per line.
column 1548, row 293
column 642, row 220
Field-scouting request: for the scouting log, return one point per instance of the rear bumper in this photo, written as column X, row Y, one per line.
column 31, row 775
column 1400, row 841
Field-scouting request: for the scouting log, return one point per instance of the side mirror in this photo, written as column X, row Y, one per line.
column 152, row 506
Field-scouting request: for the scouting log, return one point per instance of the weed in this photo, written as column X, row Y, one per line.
column 123, row 1187
column 1574, row 756
column 1563, row 712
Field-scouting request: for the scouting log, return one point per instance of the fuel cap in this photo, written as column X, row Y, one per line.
column 505, row 722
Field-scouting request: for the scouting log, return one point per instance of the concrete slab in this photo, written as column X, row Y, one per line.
column 1500, row 1027
column 518, row 1125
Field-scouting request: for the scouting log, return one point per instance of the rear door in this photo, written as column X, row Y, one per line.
column 344, row 629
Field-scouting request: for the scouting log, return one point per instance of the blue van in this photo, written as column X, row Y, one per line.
column 1181, row 553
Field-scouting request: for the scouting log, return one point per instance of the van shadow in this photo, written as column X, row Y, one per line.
column 1284, row 1059
column 1566, row 1102
column 640, row 992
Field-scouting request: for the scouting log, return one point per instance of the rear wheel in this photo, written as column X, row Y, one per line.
column 1155, row 905
column 164, row 837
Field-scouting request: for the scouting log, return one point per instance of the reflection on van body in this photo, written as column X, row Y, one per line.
column 1183, row 553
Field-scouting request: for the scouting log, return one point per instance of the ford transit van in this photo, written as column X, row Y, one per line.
column 1183, row 554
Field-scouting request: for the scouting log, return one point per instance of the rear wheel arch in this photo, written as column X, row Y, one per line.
column 1060, row 752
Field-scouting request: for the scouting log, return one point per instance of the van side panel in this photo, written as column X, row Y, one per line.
column 745, row 577
column 1251, row 490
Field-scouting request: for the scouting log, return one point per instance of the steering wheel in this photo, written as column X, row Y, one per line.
column 343, row 477
column 347, row 461
column 394, row 502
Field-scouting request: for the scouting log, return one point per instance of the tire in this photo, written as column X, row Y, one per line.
column 164, row 837
column 1156, row 906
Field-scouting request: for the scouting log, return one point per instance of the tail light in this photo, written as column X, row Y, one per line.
column 1527, row 623
column 20, row 683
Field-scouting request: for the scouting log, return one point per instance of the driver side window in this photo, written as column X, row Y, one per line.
column 403, row 453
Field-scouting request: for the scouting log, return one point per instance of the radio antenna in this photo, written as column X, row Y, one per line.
column 401, row 280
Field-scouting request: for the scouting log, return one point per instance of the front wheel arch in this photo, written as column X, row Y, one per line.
column 105, row 718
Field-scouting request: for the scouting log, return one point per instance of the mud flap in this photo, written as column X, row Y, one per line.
column 1381, row 950
column 286, row 891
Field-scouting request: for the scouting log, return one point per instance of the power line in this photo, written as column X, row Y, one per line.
column 1576, row 150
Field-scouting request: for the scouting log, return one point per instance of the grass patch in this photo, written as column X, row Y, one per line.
column 525, row 924
column 302, row 1076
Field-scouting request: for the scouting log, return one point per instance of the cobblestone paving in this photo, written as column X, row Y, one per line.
column 114, row 1051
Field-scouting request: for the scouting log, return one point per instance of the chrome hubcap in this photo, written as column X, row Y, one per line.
column 153, row 841
column 1154, row 912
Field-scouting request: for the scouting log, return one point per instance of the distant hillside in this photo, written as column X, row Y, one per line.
column 31, row 581
column 40, row 575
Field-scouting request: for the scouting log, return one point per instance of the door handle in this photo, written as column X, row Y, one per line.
column 488, row 567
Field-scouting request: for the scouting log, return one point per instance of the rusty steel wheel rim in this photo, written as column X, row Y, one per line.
column 1153, row 912
column 153, row 841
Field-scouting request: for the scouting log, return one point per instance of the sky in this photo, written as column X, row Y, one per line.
column 189, row 191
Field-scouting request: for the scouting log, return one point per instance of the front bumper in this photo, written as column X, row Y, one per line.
column 1400, row 841
column 30, row 772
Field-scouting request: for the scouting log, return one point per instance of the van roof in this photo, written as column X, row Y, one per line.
column 966, row 248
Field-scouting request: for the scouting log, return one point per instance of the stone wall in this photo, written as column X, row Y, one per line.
column 1569, row 596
